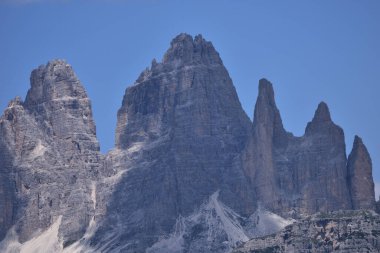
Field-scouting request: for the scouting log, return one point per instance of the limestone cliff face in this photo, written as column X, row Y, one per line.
column 321, row 165
column 360, row 177
column 60, row 104
column 297, row 175
column 51, row 155
column 268, row 135
column 184, row 119
column 7, row 187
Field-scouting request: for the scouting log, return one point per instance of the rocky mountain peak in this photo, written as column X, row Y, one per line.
column 184, row 50
column 322, row 114
column 267, row 118
column 15, row 102
column 266, row 91
column 359, row 145
column 185, row 115
column 49, row 156
column 55, row 80
column 322, row 121
column 59, row 102
column 360, row 176
column 268, row 133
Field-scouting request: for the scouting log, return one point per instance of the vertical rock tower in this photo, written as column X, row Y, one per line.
column 360, row 176
column 303, row 175
column 184, row 119
column 50, row 154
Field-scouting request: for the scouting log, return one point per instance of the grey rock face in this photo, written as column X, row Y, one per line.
column 184, row 128
column 51, row 155
column 321, row 172
column 344, row 231
column 360, row 176
column 60, row 104
column 268, row 135
column 297, row 175
column 7, row 189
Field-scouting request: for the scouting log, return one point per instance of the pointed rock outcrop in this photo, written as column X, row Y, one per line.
column 51, row 155
column 322, row 114
column 360, row 176
column 184, row 50
column 321, row 165
column 60, row 104
column 183, row 124
column 267, row 119
column 268, row 135
column 297, row 175
column 321, row 120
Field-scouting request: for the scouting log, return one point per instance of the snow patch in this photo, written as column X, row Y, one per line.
column 93, row 194
column 47, row 241
column 212, row 225
column 220, row 225
column 229, row 219
column 68, row 98
column 217, row 225
column 38, row 151
column 115, row 178
column 263, row 222
column 172, row 244
column 135, row 147
column 83, row 245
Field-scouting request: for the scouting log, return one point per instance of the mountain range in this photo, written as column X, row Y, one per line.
column 190, row 172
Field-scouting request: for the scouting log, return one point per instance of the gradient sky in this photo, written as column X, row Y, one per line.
column 312, row 51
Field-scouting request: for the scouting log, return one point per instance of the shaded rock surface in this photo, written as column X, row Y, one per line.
column 297, row 175
column 360, row 176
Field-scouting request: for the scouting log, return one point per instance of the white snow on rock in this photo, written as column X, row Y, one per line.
column 173, row 243
column 38, row 151
column 219, row 222
column 229, row 221
column 263, row 222
column 47, row 241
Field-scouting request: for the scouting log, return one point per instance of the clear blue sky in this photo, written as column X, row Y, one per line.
column 311, row 51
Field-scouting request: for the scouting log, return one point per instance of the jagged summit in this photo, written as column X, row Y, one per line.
column 358, row 147
column 185, row 50
column 54, row 80
column 60, row 103
column 187, row 116
column 265, row 103
column 267, row 119
column 360, row 176
column 358, row 143
column 322, row 114
column 322, row 122
column 49, row 154
column 266, row 91
column 15, row 101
